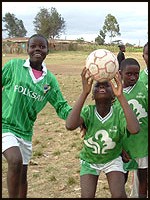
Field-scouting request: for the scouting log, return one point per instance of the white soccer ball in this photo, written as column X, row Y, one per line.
column 102, row 64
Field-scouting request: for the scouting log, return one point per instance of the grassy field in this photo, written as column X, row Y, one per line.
column 54, row 168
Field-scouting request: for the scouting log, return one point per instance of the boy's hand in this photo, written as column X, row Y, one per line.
column 118, row 89
column 83, row 130
column 125, row 156
column 87, row 80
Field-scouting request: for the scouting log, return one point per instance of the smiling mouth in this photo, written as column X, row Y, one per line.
column 37, row 55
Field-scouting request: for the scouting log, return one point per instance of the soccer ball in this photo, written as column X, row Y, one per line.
column 102, row 65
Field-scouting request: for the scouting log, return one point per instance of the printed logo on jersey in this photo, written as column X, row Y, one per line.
column 140, row 95
column 113, row 129
column 46, row 88
column 29, row 93
column 138, row 109
column 106, row 140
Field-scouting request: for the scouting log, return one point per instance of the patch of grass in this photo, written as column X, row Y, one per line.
column 36, row 141
column 71, row 181
column 36, row 175
column 49, row 169
column 56, row 153
column 52, row 178
column 37, row 153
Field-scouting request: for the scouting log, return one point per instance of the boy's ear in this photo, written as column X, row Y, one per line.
column 119, row 71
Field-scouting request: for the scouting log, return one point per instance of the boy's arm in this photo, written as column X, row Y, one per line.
column 131, row 119
column 132, row 122
column 74, row 120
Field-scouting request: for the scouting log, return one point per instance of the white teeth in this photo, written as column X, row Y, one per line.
column 37, row 55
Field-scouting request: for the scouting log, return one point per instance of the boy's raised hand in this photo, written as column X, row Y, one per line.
column 87, row 80
column 117, row 86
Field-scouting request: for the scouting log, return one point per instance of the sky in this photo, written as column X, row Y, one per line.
column 86, row 19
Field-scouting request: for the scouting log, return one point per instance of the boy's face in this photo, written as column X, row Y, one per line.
column 37, row 49
column 102, row 90
column 123, row 49
column 145, row 55
column 130, row 75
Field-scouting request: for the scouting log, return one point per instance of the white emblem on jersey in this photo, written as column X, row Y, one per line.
column 137, row 107
column 108, row 143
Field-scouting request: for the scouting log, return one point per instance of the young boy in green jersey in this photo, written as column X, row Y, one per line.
column 143, row 76
column 27, row 86
column 136, row 146
column 104, row 132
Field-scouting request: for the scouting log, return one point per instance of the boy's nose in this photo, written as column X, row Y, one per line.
column 37, row 48
column 101, row 86
column 132, row 77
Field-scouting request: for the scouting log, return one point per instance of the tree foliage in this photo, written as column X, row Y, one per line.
column 111, row 26
column 80, row 40
column 50, row 24
column 100, row 39
column 13, row 26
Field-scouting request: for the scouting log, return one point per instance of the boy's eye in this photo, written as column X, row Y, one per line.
column 135, row 74
column 32, row 46
column 129, row 74
column 42, row 47
column 106, row 84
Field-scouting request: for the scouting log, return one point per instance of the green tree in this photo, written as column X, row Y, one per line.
column 100, row 39
column 80, row 40
column 50, row 24
column 13, row 26
column 111, row 26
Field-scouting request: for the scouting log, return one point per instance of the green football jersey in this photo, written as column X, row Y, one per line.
column 144, row 77
column 24, row 96
column 103, row 138
column 137, row 145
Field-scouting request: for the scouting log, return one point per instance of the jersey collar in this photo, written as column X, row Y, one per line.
column 44, row 69
column 146, row 71
column 104, row 119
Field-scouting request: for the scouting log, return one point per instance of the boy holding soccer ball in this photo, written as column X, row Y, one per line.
column 27, row 87
column 104, row 133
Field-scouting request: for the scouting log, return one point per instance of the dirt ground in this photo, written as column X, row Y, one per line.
column 54, row 168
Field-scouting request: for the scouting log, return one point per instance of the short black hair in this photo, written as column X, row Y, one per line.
column 128, row 61
column 121, row 46
column 38, row 35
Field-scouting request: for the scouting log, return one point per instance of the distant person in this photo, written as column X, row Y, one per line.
column 121, row 55
column 102, row 144
column 27, row 87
